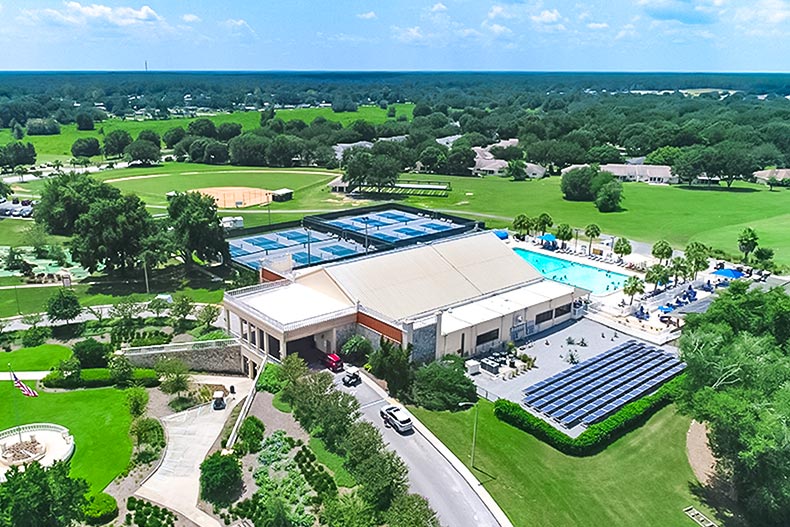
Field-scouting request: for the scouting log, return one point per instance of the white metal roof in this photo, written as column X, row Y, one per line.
column 497, row 306
column 420, row 279
column 294, row 302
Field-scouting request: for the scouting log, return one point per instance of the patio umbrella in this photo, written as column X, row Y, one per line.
column 548, row 238
column 732, row 274
column 502, row 235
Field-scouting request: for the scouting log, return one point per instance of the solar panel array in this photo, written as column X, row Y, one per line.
column 596, row 388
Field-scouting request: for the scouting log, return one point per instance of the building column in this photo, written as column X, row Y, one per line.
column 227, row 321
column 283, row 350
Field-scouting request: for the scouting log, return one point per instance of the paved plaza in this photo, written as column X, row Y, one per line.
column 550, row 348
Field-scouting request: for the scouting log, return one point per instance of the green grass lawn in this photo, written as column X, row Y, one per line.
column 650, row 212
column 40, row 358
column 51, row 147
column 97, row 418
column 333, row 462
column 171, row 280
column 642, row 479
column 12, row 232
column 372, row 114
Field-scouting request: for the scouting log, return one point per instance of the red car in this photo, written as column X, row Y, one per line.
column 333, row 362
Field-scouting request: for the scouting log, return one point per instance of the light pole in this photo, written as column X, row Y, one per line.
column 474, row 430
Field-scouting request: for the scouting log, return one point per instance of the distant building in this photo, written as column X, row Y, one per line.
column 232, row 222
column 653, row 174
column 448, row 140
column 342, row 147
column 487, row 165
column 780, row 174
column 283, row 194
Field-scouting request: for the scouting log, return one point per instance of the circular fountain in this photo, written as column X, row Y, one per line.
column 44, row 443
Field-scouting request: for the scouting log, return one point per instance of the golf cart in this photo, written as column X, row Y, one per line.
column 351, row 377
column 219, row 400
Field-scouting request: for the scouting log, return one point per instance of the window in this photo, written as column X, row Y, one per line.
column 543, row 317
column 562, row 310
column 488, row 336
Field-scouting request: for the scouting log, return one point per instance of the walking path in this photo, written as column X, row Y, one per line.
column 190, row 436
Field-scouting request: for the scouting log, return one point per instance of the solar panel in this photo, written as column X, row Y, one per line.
column 598, row 387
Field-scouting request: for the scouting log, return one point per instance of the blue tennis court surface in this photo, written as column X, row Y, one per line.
column 296, row 236
column 372, row 222
column 265, row 243
column 408, row 231
column 438, row 227
column 396, row 216
column 338, row 250
column 385, row 237
column 237, row 251
column 302, row 258
column 596, row 388
column 347, row 226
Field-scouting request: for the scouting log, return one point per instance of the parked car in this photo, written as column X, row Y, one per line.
column 26, row 202
column 351, row 378
column 26, row 212
column 333, row 362
column 16, row 212
column 397, row 418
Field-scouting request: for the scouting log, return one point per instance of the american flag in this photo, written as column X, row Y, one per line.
column 26, row 390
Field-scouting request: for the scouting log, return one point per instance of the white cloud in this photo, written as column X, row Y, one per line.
column 75, row 13
column 370, row 15
column 497, row 29
column 498, row 11
column 438, row 7
column 597, row 25
column 546, row 17
column 238, row 26
column 627, row 31
column 189, row 18
column 772, row 12
column 408, row 34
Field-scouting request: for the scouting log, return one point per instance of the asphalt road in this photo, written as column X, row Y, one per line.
column 430, row 474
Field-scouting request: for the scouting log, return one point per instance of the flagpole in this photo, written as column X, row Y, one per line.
column 16, row 408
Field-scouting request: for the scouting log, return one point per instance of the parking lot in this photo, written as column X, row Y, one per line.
column 20, row 209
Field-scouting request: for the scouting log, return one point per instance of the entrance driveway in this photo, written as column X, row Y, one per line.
column 190, row 435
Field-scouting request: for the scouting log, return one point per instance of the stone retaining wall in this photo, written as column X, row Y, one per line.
column 224, row 358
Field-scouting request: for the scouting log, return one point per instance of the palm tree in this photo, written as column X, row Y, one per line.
column 544, row 221
column 516, row 170
column 657, row 274
column 591, row 231
column 521, row 224
column 697, row 258
column 662, row 250
column 633, row 285
column 747, row 242
column 564, row 232
column 20, row 170
column 622, row 247
column 678, row 267
column 58, row 166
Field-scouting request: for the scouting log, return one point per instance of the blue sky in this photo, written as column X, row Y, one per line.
column 542, row 35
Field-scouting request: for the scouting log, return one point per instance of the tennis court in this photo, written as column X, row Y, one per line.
column 409, row 232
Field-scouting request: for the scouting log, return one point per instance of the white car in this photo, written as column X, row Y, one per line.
column 397, row 418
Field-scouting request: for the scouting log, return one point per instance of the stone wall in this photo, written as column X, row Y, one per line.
column 424, row 344
column 344, row 333
column 224, row 358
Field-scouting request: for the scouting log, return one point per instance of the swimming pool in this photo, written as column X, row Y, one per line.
column 598, row 281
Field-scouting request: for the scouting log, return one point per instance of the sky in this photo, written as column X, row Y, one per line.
column 532, row 35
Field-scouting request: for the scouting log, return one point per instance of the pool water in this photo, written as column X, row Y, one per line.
column 598, row 281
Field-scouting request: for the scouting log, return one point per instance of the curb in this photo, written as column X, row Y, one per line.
column 456, row 463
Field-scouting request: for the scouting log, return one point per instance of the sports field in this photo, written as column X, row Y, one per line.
column 649, row 213
column 51, row 147
column 97, row 418
column 641, row 479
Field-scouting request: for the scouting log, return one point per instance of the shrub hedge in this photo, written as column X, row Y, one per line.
column 271, row 379
column 100, row 377
column 598, row 436
column 102, row 508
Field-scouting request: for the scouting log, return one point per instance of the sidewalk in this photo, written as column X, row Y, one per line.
column 456, row 463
